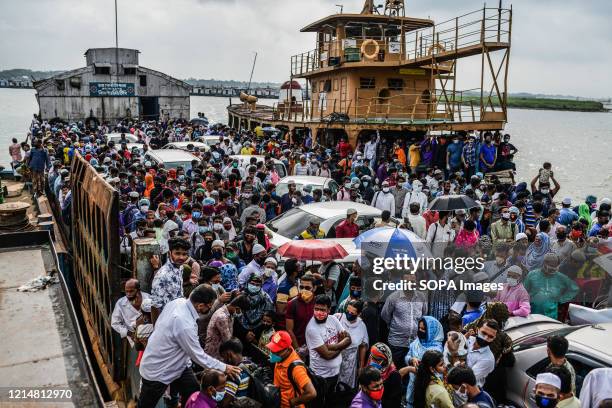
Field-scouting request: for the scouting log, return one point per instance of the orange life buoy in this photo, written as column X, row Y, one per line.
column 365, row 44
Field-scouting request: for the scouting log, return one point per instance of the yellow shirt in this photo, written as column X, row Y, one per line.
column 415, row 155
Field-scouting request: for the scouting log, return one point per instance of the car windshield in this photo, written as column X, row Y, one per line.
column 283, row 188
column 292, row 223
column 540, row 338
column 280, row 169
column 174, row 165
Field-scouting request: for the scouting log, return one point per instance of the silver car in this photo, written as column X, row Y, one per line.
column 300, row 181
column 187, row 146
column 589, row 348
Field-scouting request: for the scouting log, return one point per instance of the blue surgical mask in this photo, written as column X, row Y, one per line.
column 439, row 376
column 196, row 215
column 219, row 396
column 275, row 358
column 253, row 288
column 356, row 293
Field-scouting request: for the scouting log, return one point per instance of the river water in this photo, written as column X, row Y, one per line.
column 578, row 144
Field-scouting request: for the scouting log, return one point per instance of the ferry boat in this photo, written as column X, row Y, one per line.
column 390, row 73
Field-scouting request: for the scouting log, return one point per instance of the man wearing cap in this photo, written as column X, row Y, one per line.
column 548, row 287
column 256, row 266
column 566, row 215
column 383, row 199
column 347, row 228
column 514, row 295
column 547, row 387
column 313, row 231
column 127, row 310
column 297, row 388
column 302, row 168
column 130, row 212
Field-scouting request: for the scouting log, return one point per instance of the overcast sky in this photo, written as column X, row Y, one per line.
column 559, row 47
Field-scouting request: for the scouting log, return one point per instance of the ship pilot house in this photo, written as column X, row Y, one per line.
column 381, row 70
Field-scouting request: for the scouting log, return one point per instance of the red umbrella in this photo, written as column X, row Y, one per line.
column 312, row 250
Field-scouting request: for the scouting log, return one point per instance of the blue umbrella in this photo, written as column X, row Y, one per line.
column 389, row 242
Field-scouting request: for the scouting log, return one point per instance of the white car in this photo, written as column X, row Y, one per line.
column 244, row 162
column 138, row 146
column 300, row 181
column 187, row 146
column 589, row 348
column 116, row 137
column 209, row 140
column 171, row 158
column 290, row 224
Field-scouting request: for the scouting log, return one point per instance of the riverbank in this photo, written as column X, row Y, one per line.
column 546, row 104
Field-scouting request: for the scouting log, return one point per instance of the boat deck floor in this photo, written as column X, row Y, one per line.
column 39, row 347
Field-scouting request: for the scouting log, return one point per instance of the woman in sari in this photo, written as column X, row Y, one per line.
column 584, row 212
column 534, row 258
column 148, row 185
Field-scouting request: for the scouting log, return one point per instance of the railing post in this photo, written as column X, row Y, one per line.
column 483, row 26
column 456, row 33
column 499, row 15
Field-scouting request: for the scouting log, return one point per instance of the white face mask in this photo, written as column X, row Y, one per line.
column 385, row 189
column 144, row 208
column 512, row 281
column 217, row 226
column 216, row 287
column 268, row 272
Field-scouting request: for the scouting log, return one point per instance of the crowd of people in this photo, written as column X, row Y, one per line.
column 226, row 318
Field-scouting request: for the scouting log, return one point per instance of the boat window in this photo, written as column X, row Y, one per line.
column 328, row 85
column 102, row 71
column 60, row 84
column 353, row 31
column 373, row 32
column 129, row 71
column 143, row 80
column 367, row 82
column 395, row 84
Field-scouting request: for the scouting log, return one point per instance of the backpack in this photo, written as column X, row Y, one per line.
column 267, row 394
column 317, row 382
column 342, row 278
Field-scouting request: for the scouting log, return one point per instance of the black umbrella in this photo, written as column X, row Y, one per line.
column 452, row 202
column 199, row 121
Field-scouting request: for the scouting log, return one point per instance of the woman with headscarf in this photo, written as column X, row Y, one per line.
column 148, row 185
column 228, row 227
column 381, row 358
column 429, row 337
column 534, row 258
column 584, row 212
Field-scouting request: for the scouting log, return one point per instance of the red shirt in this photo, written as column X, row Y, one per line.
column 301, row 313
column 344, row 149
column 346, row 230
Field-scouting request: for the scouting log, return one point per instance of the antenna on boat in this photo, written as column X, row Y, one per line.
column 116, row 43
column 252, row 70
column 341, row 7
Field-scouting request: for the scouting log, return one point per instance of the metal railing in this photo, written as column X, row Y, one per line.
column 486, row 25
column 95, row 242
column 440, row 105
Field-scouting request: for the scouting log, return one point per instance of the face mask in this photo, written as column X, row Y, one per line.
column 512, row 282
column 320, row 317
column 459, row 398
column 422, row 335
column 482, row 342
column 350, row 317
column 216, row 287
column 217, row 254
column 217, row 226
column 196, row 214
column 365, row 183
column 306, row 295
column 356, row 293
column 253, row 289
column 376, row 365
column 545, row 402
column 347, row 186
column 202, row 230
column 219, row 396
column 275, row 358
column 385, row 189
column 439, row 376
column 376, row 395
column 144, row 208
column 455, row 141
column 268, row 272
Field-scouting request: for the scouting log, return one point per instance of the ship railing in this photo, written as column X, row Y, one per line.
column 437, row 106
column 475, row 29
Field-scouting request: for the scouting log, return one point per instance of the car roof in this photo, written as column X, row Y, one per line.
column 313, row 180
column 181, row 144
column 331, row 209
column 172, row 155
column 595, row 337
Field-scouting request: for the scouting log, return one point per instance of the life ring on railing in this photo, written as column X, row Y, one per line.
column 436, row 46
column 365, row 44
